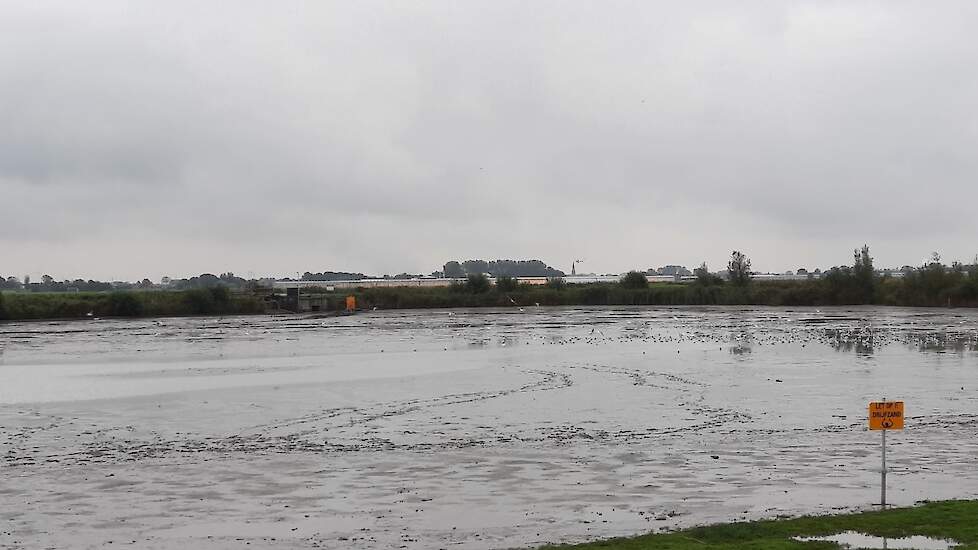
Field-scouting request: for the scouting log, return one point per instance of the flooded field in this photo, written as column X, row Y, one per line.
column 471, row 428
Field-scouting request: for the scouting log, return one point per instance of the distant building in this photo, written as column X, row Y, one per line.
column 673, row 270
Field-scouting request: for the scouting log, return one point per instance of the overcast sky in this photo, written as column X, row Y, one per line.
column 170, row 138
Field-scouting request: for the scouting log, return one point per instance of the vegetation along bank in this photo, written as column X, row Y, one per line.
column 934, row 285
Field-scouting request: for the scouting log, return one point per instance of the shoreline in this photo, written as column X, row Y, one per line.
column 555, row 432
column 947, row 520
column 332, row 314
column 933, row 287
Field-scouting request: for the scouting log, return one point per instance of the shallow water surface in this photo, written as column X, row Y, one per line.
column 853, row 539
column 480, row 428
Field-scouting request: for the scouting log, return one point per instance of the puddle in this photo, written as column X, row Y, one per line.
column 852, row 539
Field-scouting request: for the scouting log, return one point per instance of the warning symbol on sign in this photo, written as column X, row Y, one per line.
column 886, row 415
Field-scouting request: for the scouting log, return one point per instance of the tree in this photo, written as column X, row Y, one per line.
column 10, row 283
column 854, row 284
column 475, row 267
column 702, row 272
column 523, row 268
column 739, row 268
column 497, row 268
column 863, row 272
column 205, row 280
column 634, row 279
column 673, row 270
column 324, row 276
column 453, row 270
column 704, row 277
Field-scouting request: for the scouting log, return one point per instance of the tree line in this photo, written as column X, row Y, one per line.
column 499, row 268
column 932, row 284
column 50, row 284
column 218, row 300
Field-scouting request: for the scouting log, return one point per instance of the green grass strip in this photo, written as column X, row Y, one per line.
column 955, row 519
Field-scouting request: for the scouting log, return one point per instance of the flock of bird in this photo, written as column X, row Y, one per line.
column 737, row 333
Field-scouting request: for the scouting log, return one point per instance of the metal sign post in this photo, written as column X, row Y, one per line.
column 884, row 416
column 883, row 474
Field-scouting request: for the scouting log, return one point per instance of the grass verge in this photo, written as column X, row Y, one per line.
column 954, row 519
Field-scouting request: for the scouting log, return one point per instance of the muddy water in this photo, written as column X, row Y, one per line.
column 476, row 429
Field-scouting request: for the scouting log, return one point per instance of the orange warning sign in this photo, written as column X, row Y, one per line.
column 351, row 303
column 886, row 415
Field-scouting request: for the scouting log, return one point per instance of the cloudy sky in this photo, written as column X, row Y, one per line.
column 174, row 138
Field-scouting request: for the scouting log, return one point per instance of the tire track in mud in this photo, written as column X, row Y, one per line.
column 642, row 377
column 551, row 380
column 23, row 434
column 262, row 439
column 948, row 421
column 716, row 416
column 314, row 429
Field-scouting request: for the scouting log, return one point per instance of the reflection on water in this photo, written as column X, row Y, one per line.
column 739, row 331
column 861, row 341
column 940, row 338
column 741, row 341
column 853, row 539
column 740, row 349
column 944, row 341
column 678, row 416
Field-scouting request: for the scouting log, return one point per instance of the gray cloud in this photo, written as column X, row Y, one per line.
column 178, row 138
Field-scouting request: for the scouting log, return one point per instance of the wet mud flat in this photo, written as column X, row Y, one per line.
column 474, row 429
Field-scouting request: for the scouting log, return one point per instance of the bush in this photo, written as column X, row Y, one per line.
column 595, row 295
column 456, row 287
column 477, row 284
column 199, row 301
column 705, row 278
column 556, row 283
column 123, row 304
column 505, row 283
column 221, row 296
column 634, row 279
